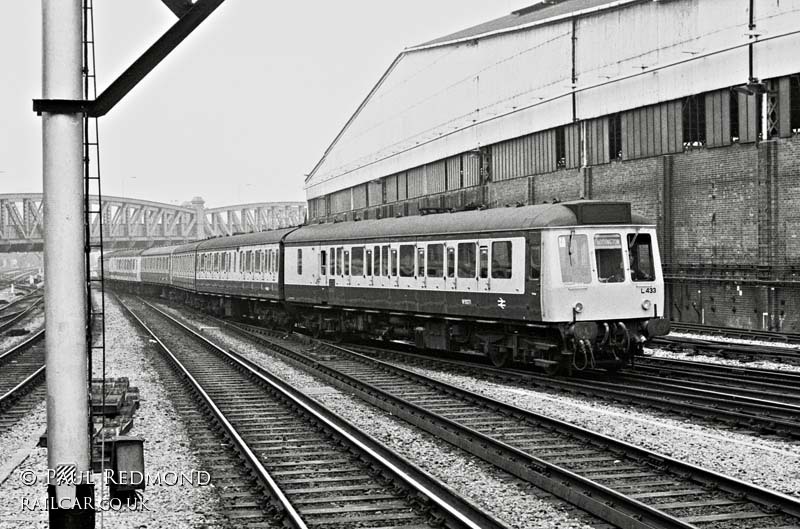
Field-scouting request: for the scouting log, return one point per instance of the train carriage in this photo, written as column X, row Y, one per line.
column 124, row 265
column 156, row 265
column 560, row 285
column 182, row 271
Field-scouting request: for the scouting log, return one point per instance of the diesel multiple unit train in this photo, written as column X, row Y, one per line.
column 563, row 286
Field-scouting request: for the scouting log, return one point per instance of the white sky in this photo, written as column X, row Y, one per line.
column 241, row 110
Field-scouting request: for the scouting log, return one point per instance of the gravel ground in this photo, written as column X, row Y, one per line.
column 758, row 364
column 167, row 448
column 508, row 498
column 32, row 322
column 738, row 455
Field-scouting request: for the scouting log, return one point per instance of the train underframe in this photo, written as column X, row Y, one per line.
column 557, row 348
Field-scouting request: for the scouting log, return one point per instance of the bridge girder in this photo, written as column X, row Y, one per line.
column 131, row 223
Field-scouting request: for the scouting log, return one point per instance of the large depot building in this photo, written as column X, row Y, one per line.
column 689, row 109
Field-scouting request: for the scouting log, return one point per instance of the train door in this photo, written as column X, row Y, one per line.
column 466, row 266
column 533, row 273
column 484, row 280
column 450, row 280
column 435, row 267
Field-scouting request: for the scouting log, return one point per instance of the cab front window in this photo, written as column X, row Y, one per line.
column 640, row 249
column 608, row 252
column 573, row 254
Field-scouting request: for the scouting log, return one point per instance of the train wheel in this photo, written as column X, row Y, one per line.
column 500, row 358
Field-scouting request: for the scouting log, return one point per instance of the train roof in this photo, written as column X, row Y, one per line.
column 575, row 213
column 246, row 239
column 123, row 253
column 183, row 248
column 159, row 250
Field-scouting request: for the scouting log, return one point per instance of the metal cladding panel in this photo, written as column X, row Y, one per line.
column 454, row 172
column 416, row 182
column 439, row 102
column 652, row 130
column 375, row 193
column 402, row 186
column 572, row 145
column 597, row 139
column 472, row 170
column 658, row 51
column 436, row 175
column 718, row 118
column 360, row 197
column 390, row 188
column 776, row 55
column 748, row 118
column 341, row 201
column 528, row 155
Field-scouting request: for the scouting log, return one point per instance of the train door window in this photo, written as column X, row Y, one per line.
column 421, row 262
column 501, row 260
column 406, row 260
column 257, row 253
column 346, row 264
column 339, row 258
column 393, row 269
column 640, row 252
column 368, row 263
column 215, row 262
column 357, row 261
column 435, row 260
column 299, row 261
column 535, row 268
column 467, row 257
column 573, row 253
column 376, row 253
column 484, row 262
column 323, row 265
column 227, row 262
column 608, row 253
column 385, row 261
column 451, row 262
column 276, row 265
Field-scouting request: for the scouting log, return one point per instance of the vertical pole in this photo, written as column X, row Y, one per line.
column 68, row 444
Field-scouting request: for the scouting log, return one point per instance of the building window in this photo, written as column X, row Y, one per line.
column 794, row 103
column 561, row 148
column 694, row 121
column 615, row 137
column 734, row 116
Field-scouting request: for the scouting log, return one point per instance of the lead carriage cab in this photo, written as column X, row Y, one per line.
column 602, row 285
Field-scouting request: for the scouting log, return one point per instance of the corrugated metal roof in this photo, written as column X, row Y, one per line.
column 247, row 239
column 488, row 220
column 521, row 17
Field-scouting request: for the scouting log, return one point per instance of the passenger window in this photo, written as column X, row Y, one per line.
column 467, row 255
column 573, row 254
column 436, row 260
column 377, row 256
column 323, row 265
column 357, row 261
column 501, row 260
column 451, row 262
column 347, row 262
column 608, row 253
column 484, row 262
column 394, row 263
column 640, row 252
column 339, row 252
column 535, row 269
column 420, row 262
column 385, row 261
column 299, row 261
column 406, row 260
column 368, row 263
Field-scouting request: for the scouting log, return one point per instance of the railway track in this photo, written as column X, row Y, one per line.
column 622, row 484
column 758, row 405
column 15, row 311
column 732, row 332
column 318, row 470
column 737, row 351
column 22, row 373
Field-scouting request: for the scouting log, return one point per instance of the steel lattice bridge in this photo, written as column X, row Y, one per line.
column 131, row 223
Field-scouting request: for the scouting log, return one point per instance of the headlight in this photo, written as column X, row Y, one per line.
column 578, row 307
column 646, row 304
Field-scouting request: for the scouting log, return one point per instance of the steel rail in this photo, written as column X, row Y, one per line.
column 22, row 388
column 487, row 446
column 19, row 315
column 746, row 374
column 725, row 349
column 21, row 347
column 458, row 511
column 732, row 332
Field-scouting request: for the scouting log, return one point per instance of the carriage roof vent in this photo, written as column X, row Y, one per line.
column 596, row 212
